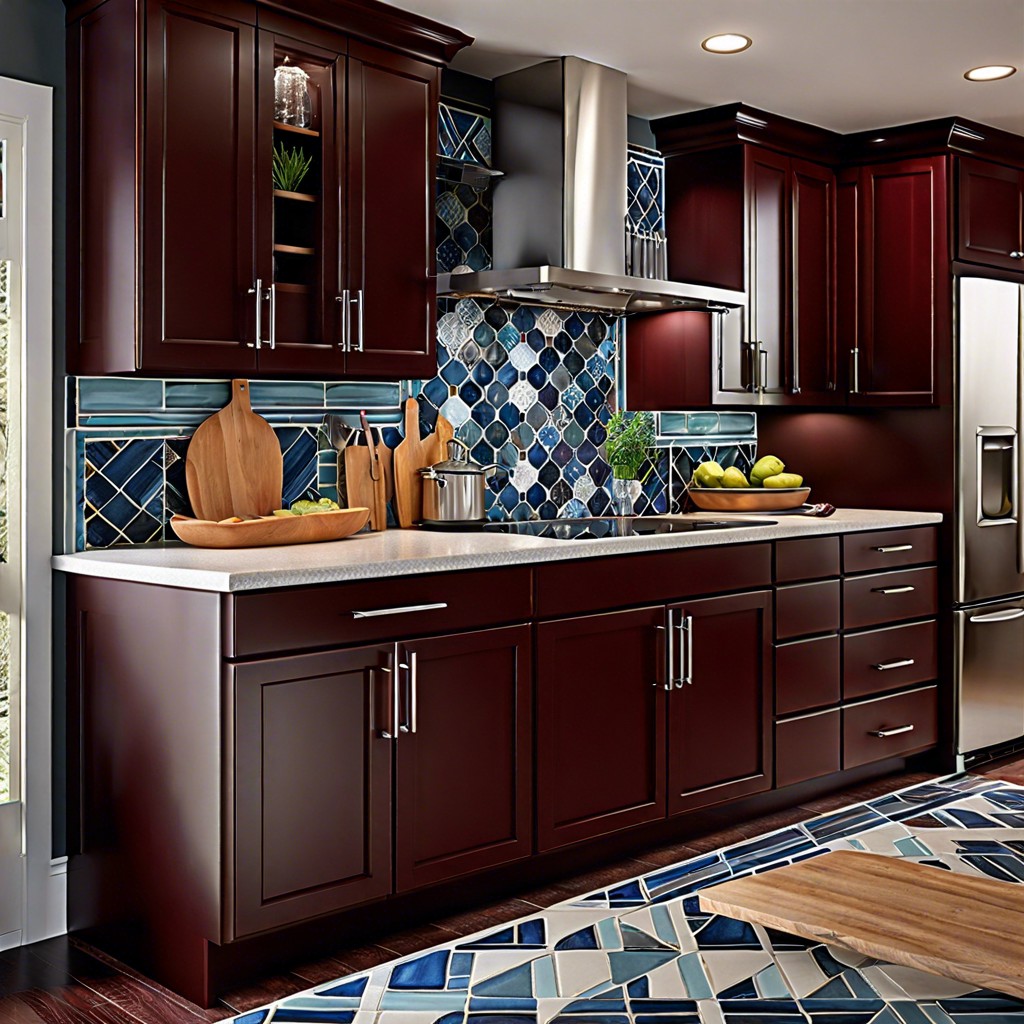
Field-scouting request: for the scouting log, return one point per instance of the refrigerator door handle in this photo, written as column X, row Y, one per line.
column 1008, row 615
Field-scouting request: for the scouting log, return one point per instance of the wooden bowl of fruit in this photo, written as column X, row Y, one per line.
column 768, row 489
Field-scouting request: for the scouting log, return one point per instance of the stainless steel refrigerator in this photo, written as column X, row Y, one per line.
column 989, row 577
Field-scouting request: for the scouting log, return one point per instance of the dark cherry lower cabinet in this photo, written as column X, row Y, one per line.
column 623, row 705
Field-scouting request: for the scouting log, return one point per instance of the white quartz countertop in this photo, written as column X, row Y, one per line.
column 408, row 552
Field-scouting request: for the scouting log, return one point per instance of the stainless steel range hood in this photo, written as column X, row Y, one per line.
column 559, row 211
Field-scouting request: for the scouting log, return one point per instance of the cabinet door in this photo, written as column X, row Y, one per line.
column 767, row 220
column 464, row 760
column 600, row 724
column 904, row 282
column 812, row 364
column 310, row 770
column 991, row 228
column 720, row 709
column 392, row 139
column 668, row 360
column 297, row 240
column 197, row 214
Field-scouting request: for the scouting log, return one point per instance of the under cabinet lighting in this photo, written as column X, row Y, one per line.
column 990, row 73
column 726, row 42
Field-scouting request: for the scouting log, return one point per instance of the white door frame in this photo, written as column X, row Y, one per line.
column 44, row 906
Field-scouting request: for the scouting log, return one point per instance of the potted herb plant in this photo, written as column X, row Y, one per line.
column 627, row 449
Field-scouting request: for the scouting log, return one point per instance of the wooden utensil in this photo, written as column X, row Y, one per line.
column 234, row 465
column 411, row 455
column 359, row 484
column 950, row 924
column 443, row 433
column 251, row 533
column 379, row 508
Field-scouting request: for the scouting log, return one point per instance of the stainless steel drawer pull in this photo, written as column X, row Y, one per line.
column 892, row 590
column 895, row 547
column 375, row 613
column 1007, row 615
column 886, row 733
column 886, row 665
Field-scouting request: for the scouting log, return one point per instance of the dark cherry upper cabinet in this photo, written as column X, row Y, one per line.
column 991, row 214
column 183, row 257
column 668, row 360
column 311, row 777
column 903, row 302
column 599, row 675
column 464, row 755
column 726, row 678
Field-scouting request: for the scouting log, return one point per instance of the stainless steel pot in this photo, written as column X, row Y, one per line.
column 453, row 490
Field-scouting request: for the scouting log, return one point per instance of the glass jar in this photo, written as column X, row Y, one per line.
column 292, row 104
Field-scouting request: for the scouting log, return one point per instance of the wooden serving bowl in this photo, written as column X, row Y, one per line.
column 748, row 499
column 270, row 530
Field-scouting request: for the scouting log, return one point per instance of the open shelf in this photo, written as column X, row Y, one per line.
column 295, row 250
column 299, row 197
column 281, row 126
column 288, row 288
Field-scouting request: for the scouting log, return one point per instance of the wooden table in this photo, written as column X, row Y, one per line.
column 954, row 925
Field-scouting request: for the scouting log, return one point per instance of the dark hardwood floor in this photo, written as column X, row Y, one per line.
column 65, row 981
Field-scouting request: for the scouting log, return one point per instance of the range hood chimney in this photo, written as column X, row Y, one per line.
column 559, row 211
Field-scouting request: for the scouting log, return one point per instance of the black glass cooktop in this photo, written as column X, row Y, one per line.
column 600, row 528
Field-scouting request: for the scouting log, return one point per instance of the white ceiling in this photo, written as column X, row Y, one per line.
column 843, row 64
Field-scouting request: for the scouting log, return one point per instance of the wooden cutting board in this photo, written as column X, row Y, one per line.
column 954, row 925
column 360, row 487
column 411, row 455
column 233, row 465
column 443, row 433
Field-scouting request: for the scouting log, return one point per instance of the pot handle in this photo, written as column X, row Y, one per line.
column 428, row 474
column 494, row 467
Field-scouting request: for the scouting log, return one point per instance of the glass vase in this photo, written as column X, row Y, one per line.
column 625, row 491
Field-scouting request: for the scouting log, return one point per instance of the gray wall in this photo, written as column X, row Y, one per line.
column 32, row 49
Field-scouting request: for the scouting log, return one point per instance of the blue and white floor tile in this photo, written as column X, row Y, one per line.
column 642, row 952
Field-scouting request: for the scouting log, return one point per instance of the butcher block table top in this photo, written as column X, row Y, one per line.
column 949, row 924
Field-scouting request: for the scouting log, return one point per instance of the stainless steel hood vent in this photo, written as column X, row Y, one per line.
column 560, row 209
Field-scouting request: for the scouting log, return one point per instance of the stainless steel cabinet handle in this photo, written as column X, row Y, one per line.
column 891, row 590
column 884, row 666
column 272, row 293
column 885, row 733
column 1008, row 615
column 342, row 299
column 762, row 376
column 375, row 613
column 686, row 644
column 1017, row 255
column 854, row 371
column 257, row 290
column 358, row 300
column 391, row 733
column 409, row 665
column 895, row 547
column 663, row 657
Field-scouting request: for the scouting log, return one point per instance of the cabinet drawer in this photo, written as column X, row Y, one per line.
column 806, row 608
column 806, row 675
column 887, row 659
column 807, row 747
column 889, row 597
column 890, row 726
column 888, row 549
column 597, row 584
column 348, row 613
column 810, row 558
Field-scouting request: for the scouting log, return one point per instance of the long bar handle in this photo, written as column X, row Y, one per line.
column 662, row 657
column 895, row 547
column 358, row 300
column 892, row 590
column 884, row 666
column 1007, row 615
column 391, row 733
column 886, row 733
column 376, row 613
column 762, row 376
column 854, row 371
column 686, row 645
column 272, row 293
column 257, row 290
column 342, row 300
column 411, row 682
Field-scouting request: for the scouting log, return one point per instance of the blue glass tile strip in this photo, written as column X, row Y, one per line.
column 463, row 134
column 642, row 952
column 645, row 189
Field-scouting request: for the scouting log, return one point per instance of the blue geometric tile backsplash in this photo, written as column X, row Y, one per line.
column 526, row 387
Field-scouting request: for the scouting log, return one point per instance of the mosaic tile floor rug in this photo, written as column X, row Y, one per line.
column 643, row 953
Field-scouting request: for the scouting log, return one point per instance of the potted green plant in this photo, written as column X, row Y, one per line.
column 289, row 166
column 628, row 448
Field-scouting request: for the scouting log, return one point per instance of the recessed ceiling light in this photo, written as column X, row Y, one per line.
column 726, row 42
column 990, row 73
